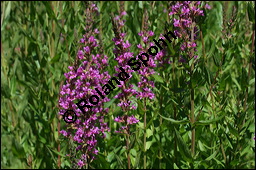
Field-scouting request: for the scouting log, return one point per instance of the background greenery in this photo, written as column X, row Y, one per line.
column 39, row 41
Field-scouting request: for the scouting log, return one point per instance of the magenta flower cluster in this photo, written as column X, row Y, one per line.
column 127, row 120
column 185, row 13
column 87, row 72
column 125, row 59
column 122, row 56
column 144, row 84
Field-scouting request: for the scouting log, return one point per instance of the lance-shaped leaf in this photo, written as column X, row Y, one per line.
column 207, row 122
column 183, row 147
column 175, row 121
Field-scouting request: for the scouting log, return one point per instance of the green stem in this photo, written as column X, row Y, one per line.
column 145, row 136
column 128, row 151
column 223, row 152
column 160, row 121
column 192, row 95
column 174, row 106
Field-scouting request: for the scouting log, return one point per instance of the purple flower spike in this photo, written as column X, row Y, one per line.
column 87, row 74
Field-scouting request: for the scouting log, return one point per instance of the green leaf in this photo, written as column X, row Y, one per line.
column 42, row 139
column 151, row 120
column 13, row 85
column 158, row 78
column 110, row 156
column 148, row 144
column 8, row 9
column 140, row 4
column 133, row 160
column 17, row 149
column 107, row 104
column 237, row 84
column 211, row 52
column 133, row 152
column 251, row 12
column 219, row 162
column 201, row 146
column 58, row 153
column 212, row 156
column 233, row 130
column 191, row 61
column 175, row 166
column 178, row 90
column 175, row 121
column 183, row 147
column 149, row 133
column 56, row 58
column 216, row 60
column 207, row 122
